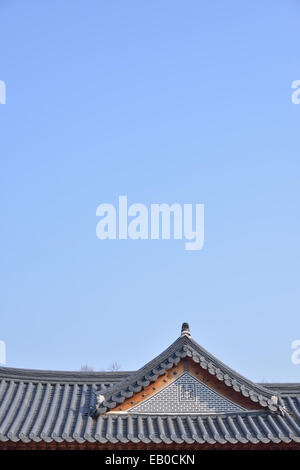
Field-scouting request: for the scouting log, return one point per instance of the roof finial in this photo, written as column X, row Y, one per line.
column 185, row 329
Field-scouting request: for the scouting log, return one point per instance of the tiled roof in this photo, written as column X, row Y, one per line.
column 55, row 411
column 183, row 347
column 60, row 406
column 35, row 375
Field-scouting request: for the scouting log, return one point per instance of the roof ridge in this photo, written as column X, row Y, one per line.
column 63, row 376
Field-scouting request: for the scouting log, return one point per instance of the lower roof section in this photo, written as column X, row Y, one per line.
column 44, row 411
column 249, row 427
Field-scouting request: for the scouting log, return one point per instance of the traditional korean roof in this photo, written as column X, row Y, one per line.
column 184, row 347
column 47, row 406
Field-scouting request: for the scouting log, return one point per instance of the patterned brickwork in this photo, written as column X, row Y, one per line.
column 186, row 395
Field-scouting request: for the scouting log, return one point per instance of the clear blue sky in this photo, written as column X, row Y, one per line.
column 171, row 101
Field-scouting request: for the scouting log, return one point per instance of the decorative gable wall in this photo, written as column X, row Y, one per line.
column 186, row 395
column 186, row 356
